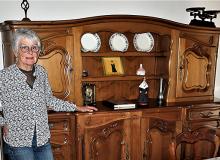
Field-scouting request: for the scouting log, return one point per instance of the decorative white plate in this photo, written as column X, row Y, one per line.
column 118, row 42
column 143, row 42
column 90, row 42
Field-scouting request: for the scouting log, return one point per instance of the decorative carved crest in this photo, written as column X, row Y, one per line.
column 47, row 46
column 107, row 134
column 165, row 127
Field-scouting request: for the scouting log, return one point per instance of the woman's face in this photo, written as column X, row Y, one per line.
column 28, row 53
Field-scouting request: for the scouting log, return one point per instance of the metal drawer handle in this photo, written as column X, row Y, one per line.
column 206, row 115
column 65, row 141
column 65, row 125
column 51, row 125
column 218, row 123
column 126, row 151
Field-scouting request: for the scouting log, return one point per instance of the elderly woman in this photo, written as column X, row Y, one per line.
column 25, row 94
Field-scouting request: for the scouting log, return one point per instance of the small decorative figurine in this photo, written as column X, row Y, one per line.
column 143, row 98
column 140, row 71
column 113, row 66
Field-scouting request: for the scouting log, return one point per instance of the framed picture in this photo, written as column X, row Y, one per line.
column 112, row 66
column 88, row 91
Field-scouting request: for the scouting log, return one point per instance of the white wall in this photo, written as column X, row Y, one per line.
column 71, row 9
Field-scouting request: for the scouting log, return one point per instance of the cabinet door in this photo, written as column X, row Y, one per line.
column 156, row 133
column 57, row 60
column 196, row 65
column 104, row 137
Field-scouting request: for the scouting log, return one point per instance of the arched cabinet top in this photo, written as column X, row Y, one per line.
column 10, row 24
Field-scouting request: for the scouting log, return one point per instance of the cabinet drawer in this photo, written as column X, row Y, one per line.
column 59, row 139
column 60, row 146
column 59, row 124
column 202, row 114
column 198, row 124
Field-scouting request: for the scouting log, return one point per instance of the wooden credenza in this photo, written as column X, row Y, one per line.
column 143, row 133
column 183, row 55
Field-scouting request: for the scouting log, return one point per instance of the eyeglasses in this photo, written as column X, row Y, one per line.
column 27, row 49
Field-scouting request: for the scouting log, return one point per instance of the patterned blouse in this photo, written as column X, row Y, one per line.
column 25, row 109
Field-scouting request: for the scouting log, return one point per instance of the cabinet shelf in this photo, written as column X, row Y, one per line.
column 126, row 54
column 119, row 78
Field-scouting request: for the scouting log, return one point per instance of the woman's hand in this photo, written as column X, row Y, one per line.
column 86, row 109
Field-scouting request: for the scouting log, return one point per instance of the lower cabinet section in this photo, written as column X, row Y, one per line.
column 142, row 134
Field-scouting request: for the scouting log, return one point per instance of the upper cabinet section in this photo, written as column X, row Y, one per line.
column 56, row 58
column 125, row 44
column 77, row 52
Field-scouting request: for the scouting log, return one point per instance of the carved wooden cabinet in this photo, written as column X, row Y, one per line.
column 183, row 55
column 138, row 134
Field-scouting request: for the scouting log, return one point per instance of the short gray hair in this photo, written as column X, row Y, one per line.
column 24, row 33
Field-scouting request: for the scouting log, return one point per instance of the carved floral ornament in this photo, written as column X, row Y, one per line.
column 47, row 46
column 104, row 135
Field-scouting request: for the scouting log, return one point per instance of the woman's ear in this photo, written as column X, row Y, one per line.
column 16, row 55
column 15, row 51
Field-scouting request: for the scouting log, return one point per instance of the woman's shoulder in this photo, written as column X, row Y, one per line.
column 40, row 69
column 8, row 69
